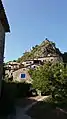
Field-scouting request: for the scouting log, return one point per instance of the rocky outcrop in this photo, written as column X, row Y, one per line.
column 46, row 48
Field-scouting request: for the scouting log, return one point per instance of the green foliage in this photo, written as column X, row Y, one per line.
column 60, row 82
column 51, row 78
column 40, row 77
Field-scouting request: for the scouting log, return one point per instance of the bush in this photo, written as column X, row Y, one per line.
column 52, row 79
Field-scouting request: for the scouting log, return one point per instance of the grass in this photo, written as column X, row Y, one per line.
column 48, row 110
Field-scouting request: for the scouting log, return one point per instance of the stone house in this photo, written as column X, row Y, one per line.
column 14, row 65
column 4, row 28
column 10, row 67
column 41, row 60
column 19, row 71
column 21, row 75
column 28, row 62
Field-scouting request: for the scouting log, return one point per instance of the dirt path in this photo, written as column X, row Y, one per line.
column 23, row 102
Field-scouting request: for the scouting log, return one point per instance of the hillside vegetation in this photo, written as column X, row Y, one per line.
column 46, row 48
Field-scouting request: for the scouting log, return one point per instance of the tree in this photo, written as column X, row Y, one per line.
column 51, row 78
column 41, row 78
column 60, row 81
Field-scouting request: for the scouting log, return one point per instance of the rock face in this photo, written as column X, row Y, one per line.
column 46, row 48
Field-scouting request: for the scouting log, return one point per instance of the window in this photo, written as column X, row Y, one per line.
column 23, row 75
column 27, row 62
column 34, row 66
column 51, row 59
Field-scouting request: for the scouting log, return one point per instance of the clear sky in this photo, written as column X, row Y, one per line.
column 33, row 20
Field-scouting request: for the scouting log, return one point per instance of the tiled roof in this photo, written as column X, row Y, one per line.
column 3, row 18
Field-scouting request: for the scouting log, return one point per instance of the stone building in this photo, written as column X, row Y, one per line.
column 21, row 75
column 19, row 72
column 4, row 27
column 13, row 66
column 10, row 67
column 41, row 60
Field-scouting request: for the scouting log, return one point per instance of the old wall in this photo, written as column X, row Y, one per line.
column 17, row 75
column 2, row 43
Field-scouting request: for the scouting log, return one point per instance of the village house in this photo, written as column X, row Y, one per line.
column 41, row 60
column 21, row 75
column 4, row 28
column 11, row 67
column 19, row 71
column 14, row 65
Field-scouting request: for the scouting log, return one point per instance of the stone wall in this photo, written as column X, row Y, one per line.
column 2, row 43
column 17, row 75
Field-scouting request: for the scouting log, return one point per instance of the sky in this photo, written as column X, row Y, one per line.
column 31, row 21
